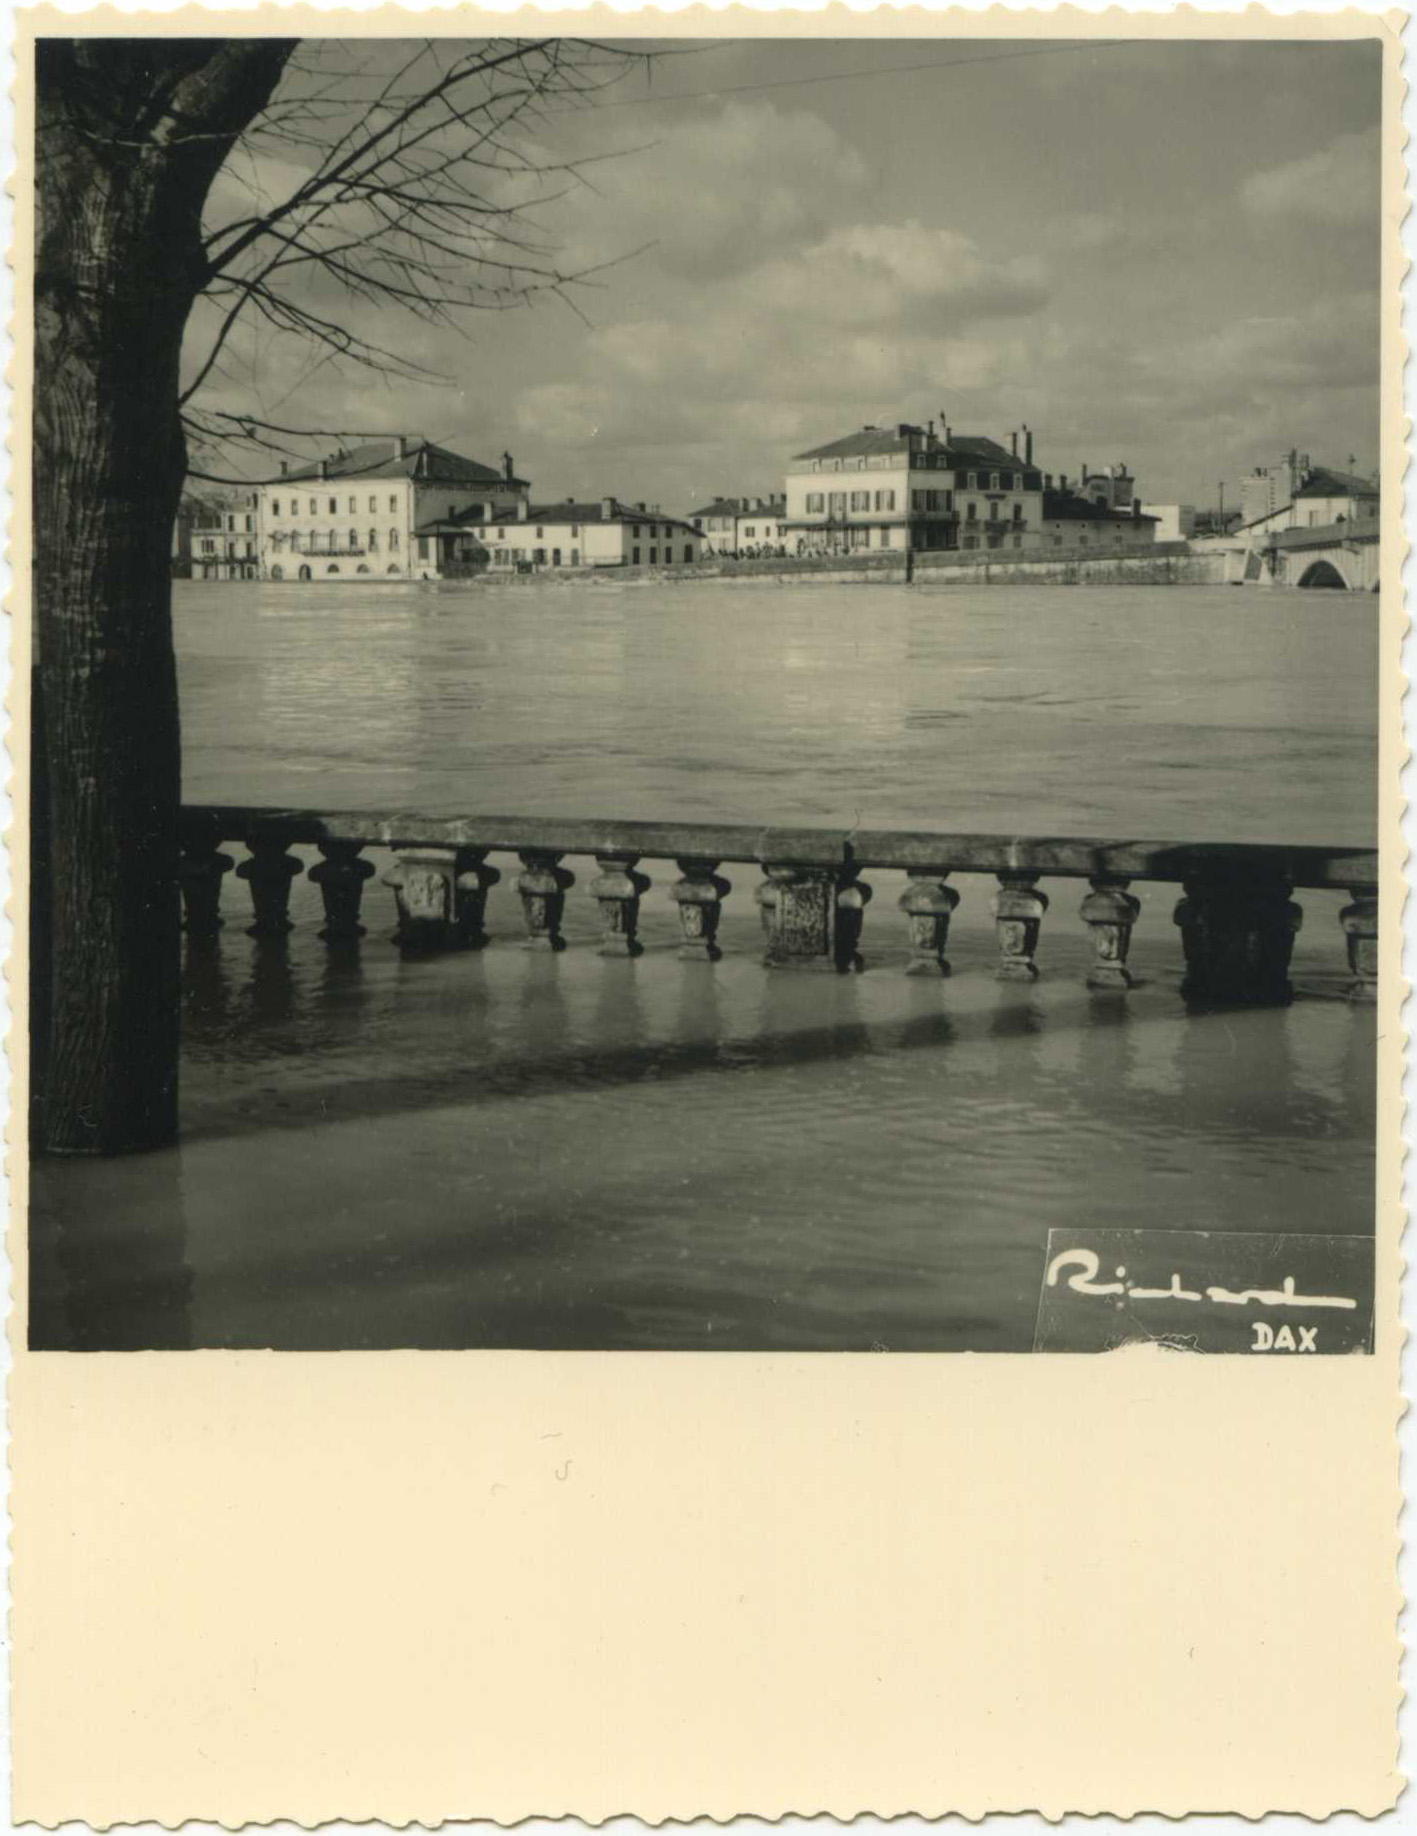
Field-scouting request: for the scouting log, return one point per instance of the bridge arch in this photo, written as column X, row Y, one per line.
column 1324, row 574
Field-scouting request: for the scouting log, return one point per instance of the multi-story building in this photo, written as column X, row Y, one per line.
column 400, row 507
column 214, row 538
column 907, row 487
column 603, row 533
column 1319, row 497
column 1074, row 524
column 1269, row 487
column 1174, row 522
column 741, row 525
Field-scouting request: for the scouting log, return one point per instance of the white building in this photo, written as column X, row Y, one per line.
column 603, row 533
column 1174, row 522
column 907, row 487
column 741, row 525
column 400, row 507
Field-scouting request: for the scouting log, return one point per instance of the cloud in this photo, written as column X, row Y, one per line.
column 1336, row 187
column 900, row 274
column 718, row 194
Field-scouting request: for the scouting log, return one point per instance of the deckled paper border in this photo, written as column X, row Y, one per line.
column 252, row 1586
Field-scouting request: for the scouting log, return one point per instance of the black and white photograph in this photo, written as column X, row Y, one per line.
column 705, row 695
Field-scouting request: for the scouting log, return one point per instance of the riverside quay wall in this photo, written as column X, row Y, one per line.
column 1167, row 564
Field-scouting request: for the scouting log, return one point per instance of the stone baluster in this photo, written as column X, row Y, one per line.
column 422, row 882
column 618, row 890
column 269, row 873
column 543, row 889
column 473, row 880
column 812, row 916
column 699, row 896
column 928, row 904
column 199, row 874
column 1238, row 937
column 1018, row 914
column 340, row 877
column 1360, row 927
column 1110, row 911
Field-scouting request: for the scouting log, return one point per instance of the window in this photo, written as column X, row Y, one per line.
column 334, row 506
column 275, row 506
column 917, row 500
column 373, row 541
column 994, row 512
column 354, row 506
column 250, row 525
column 635, row 557
column 209, row 548
column 837, row 501
column 353, row 540
column 971, row 513
column 373, row 501
column 751, row 530
column 816, row 503
column 540, row 557
column 499, row 556
column 555, row 557
column 393, row 504
column 312, row 506
column 575, row 557
column 575, row 529
column 231, row 522
column 993, row 481
column 973, row 481
column 423, row 548
column 860, row 500
column 653, row 555
column 539, row 530
column 393, row 540
column 1018, row 513
column 885, row 538
column 1008, row 481
column 688, row 551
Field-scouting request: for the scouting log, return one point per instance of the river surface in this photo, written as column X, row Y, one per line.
column 504, row 1149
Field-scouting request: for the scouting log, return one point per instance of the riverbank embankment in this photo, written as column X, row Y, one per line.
column 1168, row 564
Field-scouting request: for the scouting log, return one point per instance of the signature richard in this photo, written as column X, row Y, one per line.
column 1085, row 1264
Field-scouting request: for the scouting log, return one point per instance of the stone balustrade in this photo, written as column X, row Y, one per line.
column 1236, row 916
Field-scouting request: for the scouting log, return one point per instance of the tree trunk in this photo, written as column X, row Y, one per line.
column 128, row 138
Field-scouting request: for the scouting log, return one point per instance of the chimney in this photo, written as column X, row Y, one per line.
column 1013, row 442
column 607, row 509
column 946, row 426
column 1027, row 445
column 284, row 467
column 931, row 426
column 324, row 468
column 1062, row 481
column 641, row 506
column 401, row 447
column 521, row 510
column 507, row 471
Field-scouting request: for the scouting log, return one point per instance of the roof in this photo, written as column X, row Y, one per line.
column 1064, row 507
column 568, row 511
column 422, row 459
column 1321, row 482
column 744, row 506
column 962, row 449
column 1327, row 535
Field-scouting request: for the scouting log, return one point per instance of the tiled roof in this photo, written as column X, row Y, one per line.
column 1323, row 483
column 422, row 459
column 566, row 512
column 1064, row 507
column 963, row 449
column 721, row 506
column 744, row 506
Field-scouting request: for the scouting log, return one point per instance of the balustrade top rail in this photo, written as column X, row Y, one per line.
column 1069, row 857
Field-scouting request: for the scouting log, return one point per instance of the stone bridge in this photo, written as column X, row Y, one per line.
column 1343, row 555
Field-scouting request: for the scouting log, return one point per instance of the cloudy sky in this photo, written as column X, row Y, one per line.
column 1166, row 254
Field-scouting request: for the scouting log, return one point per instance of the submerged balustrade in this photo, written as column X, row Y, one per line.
column 1236, row 916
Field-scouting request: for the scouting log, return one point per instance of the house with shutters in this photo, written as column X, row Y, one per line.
column 400, row 508
column 909, row 487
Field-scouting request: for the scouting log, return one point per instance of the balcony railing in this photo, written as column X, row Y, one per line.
column 1236, row 917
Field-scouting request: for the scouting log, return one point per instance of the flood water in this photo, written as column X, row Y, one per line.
column 504, row 1149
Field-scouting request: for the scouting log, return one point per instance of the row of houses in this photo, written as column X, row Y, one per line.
column 407, row 508
column 909, row 487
